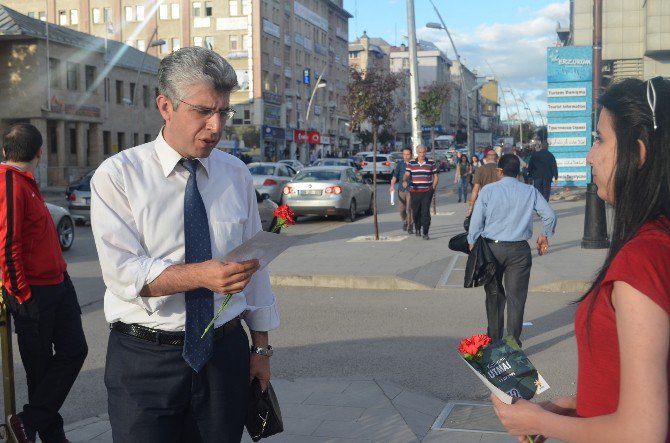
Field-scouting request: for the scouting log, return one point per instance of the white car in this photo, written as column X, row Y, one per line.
column 266, row 209
column 295, row 164
column 385, row 166
column 64, row 225
column 270, row 178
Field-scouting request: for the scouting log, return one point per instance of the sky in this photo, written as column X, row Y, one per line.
column 503, row 38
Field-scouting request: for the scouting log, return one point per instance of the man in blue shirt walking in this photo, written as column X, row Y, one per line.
column 503, row 215
column 403, row 192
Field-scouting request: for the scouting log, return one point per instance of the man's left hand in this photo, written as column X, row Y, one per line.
column 259, row 367
column 542, row 245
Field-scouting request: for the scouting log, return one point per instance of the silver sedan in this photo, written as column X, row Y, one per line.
column 64, row 225
column 329, row 190
column 270, row 178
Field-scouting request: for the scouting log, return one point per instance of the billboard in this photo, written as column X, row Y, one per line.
column 570, row 111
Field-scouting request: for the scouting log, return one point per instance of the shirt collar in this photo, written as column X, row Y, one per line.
column 169, row 157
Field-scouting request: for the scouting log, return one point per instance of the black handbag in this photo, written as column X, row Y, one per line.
column 459, row 243
column 481, row 265
column 263, row 413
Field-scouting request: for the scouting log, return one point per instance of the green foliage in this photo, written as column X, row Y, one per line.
column 370, row 97
column 431, row 100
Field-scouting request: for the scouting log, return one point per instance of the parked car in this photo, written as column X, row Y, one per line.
column 295, row 164
column 329, row 190
column 266, row 209
column 64, row 225
column 385, row 166
column 337, row 162
column 270, row 178
column 78, row 196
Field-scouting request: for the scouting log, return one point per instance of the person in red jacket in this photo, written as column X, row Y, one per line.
column 37, row 291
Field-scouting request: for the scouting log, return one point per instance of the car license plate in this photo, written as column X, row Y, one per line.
column 310, row 192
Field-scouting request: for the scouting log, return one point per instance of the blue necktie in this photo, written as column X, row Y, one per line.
column 200, row 301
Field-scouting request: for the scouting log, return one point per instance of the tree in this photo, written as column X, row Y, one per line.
column 429, row 106
column 371, row 99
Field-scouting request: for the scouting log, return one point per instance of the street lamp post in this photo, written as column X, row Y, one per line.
column 319, row 84
column 518, row 114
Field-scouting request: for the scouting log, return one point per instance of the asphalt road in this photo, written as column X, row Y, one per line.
column 402, row 337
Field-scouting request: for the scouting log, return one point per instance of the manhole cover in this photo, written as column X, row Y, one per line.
column 469, row 416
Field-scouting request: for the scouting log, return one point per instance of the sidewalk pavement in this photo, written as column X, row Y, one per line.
column 355, row 411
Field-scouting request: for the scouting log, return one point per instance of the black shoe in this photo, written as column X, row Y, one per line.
column 404, row 226
column 18, row 430
column 459, row 200
column 418, row 232
column 410, row 230
column 425, row 237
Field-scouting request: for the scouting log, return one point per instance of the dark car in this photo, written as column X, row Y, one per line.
column 78, row 195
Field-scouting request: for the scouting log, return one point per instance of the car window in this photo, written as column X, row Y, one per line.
column 262, row 170
column 351, row 176
column 380, row 158
column 281, row 171
column 319, row 176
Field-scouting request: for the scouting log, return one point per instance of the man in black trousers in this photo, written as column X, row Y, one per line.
column 37, row 290
column 542, row 168
column 503, row 216
column 422, row 174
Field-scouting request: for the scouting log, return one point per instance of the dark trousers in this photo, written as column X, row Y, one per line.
column 514, row 263
column 543, row 184
column 53, row 349
column 421, row 209
column 155, row 397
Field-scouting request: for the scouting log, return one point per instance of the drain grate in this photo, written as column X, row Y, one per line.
column 468, row 416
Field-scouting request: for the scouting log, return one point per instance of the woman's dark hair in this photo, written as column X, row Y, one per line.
column 464, row 157
column 474, row 156
column 641, row 189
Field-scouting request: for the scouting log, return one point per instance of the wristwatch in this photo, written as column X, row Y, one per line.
column 267, row 352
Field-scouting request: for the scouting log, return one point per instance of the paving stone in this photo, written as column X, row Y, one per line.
column 453, row 437
column 377, row 430
column 104, row 438
column 364, row 400
column 418, row 402
column 498, row 438
column 391, row 390
column 88, row 433
column 419, row 422
column 301, row 426
column 82, row 423
column 323, row 412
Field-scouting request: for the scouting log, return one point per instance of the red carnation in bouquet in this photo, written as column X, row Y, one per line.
column 471, row 347
column 285, row 216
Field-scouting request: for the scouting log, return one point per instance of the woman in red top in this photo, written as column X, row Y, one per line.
column 623, row 322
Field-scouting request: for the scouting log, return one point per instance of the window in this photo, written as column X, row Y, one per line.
column 90, row 77
column 73, row 141
column 121, row 140
column 106, row 88
column 163, row 12
column 132, row 93
column 197, row 41
column 145, row 95
column 129, row 13
column 74, row 16
column 119, row 91
column 139, row 13
column 147, row 138
column 62, row 18
column 175, row 11
column 164, row 48
column 208, row 9
column 72, row 76
column 246, row 42
column 95, row 15
column 42, row 15
column 233, row 8
column 196, row 9
column 176, row 44
column 140, row 45
column 106, row 142
column 209, row 43
column 136, row 139
column 246, row 7
column 107, row 15
column 233, row 39
column 31, row 14
column 54, row 72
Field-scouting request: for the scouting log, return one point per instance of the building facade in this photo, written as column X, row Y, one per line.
column 636, row 36
column 90, row 98
column 279, row 48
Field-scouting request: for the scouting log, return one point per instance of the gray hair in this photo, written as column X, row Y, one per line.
column 194, row 66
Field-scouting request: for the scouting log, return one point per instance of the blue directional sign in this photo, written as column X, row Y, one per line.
column 306, row 78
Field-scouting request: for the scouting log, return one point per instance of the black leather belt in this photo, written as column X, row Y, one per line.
column 175, row 338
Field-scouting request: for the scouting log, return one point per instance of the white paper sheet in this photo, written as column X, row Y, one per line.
column 264, row 246
column 393, row 198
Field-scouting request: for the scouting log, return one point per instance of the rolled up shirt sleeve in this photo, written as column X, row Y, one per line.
column 262, row 313
column 126, row 267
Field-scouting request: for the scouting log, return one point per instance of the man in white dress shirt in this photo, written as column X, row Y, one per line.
column 156, row 392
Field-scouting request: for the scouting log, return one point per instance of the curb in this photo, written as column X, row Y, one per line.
column 393, row 283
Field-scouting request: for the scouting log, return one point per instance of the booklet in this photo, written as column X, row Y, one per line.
column 264, row 246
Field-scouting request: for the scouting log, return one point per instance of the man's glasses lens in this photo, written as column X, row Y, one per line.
column 225, row 113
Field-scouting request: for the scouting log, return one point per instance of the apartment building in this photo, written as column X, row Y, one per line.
column 367, row 53
column 90, row 98
column 279, row 48
column 636, row 36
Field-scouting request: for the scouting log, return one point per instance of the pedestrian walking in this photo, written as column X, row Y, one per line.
column 462, row 177
column 37, row 291
column 474, row 165
column 541, row 169
column 164, row 214
column 488, row 173
column 503, row 216
column 422, row 174
column 403, row 192
column 622, row 323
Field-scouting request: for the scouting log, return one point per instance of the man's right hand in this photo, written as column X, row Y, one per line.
column 404, row 184
column 228, row 277
column 542, row 245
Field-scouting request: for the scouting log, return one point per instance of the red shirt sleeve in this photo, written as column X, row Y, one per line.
column 13, row 207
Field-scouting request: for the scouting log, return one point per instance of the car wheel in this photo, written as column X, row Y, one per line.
column 65, row 230
column 273, row 225
column 352, row 212
column 370, row 211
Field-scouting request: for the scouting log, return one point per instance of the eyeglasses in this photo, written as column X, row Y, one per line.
column 205, row 113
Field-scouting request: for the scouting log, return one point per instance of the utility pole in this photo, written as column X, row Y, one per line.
column 414, row 74
column 595, row 221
